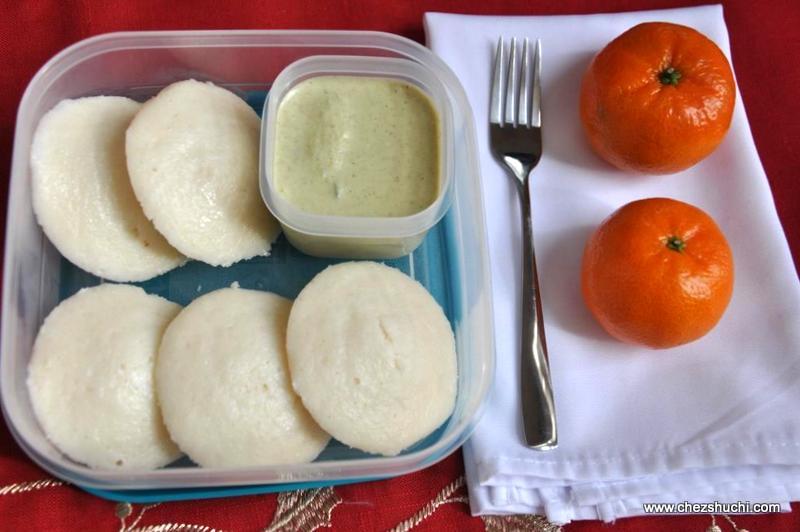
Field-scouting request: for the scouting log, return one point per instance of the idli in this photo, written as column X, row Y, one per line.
column 83, row 198
column 224, row 387
column 373, row 356
column 192, row 154
column 90, row 378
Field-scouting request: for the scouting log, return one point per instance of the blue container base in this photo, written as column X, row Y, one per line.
column 187, row 494
column 284, row 272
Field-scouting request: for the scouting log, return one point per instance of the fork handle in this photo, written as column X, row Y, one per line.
column 538, row 407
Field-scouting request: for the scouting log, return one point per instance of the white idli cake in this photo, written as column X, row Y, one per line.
column 224, row 387
column 373, row 356
column 90, row 378
column 83, row 198
column 192, row 155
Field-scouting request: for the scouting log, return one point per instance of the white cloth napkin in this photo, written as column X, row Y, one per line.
column 718, row 419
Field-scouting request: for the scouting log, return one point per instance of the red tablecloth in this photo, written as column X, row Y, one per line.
column 765, row 39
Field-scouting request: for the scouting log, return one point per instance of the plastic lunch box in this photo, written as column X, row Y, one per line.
column 451, row 262
column 352, row 236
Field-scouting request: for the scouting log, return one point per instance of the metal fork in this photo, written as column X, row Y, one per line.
column 515, row 128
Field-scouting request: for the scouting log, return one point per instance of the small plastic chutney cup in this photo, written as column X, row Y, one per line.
column 357, row 237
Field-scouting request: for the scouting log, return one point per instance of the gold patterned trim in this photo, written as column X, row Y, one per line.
column 305, row 510
column 444, row 497
column 124, row 509
column 509, row 523
column 23, row 487
column 175, row 527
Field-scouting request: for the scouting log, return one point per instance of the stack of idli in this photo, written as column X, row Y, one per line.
column 122, row 379
column 128, row 191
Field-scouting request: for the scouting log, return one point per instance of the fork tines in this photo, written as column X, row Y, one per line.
column 516, row 89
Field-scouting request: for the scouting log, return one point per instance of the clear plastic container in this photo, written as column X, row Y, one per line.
column 352, row 236
column 451, row 261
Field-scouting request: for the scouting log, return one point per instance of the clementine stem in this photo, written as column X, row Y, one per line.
column 670, row 76
column 676, row 243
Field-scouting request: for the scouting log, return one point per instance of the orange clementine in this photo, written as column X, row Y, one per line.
column 657, row 272
column 657, row 99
